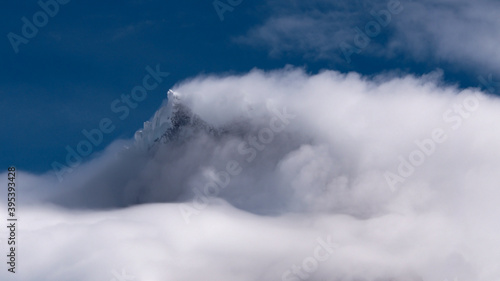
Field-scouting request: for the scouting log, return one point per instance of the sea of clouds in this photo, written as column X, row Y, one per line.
column 308, row 177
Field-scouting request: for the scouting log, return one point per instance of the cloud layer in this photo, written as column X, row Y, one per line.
column 283, row 160
column 459, row 33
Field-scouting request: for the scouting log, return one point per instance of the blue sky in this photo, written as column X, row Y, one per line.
column 351, row 134
column 90, row 53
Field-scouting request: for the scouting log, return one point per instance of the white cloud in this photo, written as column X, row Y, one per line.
column 322, row 176
column 460, row 33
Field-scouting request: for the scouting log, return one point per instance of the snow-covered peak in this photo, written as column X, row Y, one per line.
column 171, row 121
column 159, row 124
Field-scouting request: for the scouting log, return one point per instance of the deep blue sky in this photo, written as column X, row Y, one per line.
column 65, row 78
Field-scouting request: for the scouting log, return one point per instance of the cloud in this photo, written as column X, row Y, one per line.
column 459, row 33
column 131, row 29
column 256, row 169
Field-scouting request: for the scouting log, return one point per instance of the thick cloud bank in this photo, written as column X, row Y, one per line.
column 280, row 176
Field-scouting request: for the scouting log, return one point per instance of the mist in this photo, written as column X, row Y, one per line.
column 280, row 175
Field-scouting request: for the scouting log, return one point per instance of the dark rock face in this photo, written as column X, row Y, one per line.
column 185, row 124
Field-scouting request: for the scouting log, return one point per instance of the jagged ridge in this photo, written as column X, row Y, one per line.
column 172, row 122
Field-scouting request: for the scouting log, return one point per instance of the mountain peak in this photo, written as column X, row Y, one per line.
column 172, row 122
